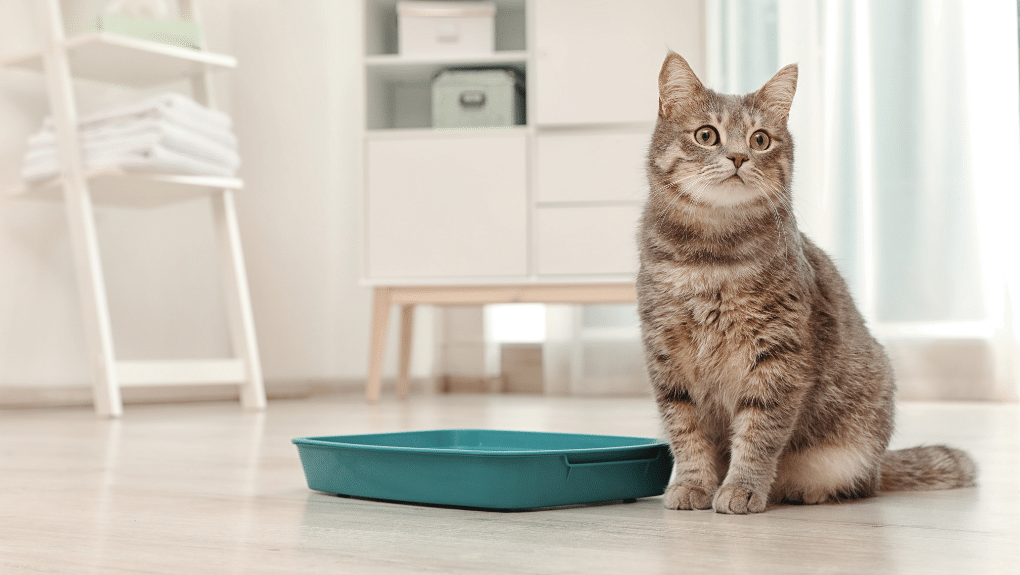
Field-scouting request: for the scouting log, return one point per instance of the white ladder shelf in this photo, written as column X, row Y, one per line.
column 133, row 62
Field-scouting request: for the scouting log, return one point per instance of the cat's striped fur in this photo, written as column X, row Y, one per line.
column 769, row 384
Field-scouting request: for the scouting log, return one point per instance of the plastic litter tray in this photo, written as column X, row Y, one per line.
column 485, row 468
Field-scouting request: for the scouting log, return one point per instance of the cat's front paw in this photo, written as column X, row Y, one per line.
column 740, row 500
column 688, row 495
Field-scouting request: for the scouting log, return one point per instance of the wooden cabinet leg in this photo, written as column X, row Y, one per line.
column 406, row 335
column 377, row 353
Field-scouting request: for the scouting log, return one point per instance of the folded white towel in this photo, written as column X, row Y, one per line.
column 154, row 159
column 139, row 134
column 214, row 131
column 165, row 133
column 166, row 103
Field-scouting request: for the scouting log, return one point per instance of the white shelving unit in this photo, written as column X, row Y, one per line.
column 133, row 62
column 397, row 85
column 544, row 212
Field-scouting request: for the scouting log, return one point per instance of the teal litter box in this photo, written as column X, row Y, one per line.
column 486, row 468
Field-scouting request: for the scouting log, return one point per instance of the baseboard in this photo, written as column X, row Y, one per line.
column 956, row 369
column 462, row 384
column 23, row 397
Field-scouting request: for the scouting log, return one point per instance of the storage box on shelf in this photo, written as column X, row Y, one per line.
column 493, row 213
column 135, row 62
column 445, row 27
column 382, row 28
column 478, row 98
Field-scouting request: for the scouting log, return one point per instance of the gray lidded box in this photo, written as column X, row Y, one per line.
column 478, row 98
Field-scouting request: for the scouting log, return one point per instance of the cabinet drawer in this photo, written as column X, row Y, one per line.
column 587, row 240
column 446, row 205
column 592, row 166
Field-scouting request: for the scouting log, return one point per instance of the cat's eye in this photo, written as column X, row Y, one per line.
column 760, row 140
column 706, row 136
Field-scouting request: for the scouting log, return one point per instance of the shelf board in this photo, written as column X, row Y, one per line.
column 431, row 133
column 408, row 69
column 127, row 61
column 118, row 187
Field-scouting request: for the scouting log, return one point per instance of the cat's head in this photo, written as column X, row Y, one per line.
column 719, row 151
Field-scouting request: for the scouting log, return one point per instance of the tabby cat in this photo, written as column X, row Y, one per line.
column 769, row 385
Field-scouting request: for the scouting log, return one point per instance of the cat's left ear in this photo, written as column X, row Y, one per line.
column 776, row 96
column 680, row 90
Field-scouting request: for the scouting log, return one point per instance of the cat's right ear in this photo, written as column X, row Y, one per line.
column 679, row 89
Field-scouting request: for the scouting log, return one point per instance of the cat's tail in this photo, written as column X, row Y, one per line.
column 927, row 468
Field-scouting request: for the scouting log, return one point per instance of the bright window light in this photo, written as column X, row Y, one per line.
column 515, row 323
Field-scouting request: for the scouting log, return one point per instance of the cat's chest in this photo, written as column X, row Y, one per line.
column 718, row 340
column 724, row 328
column 722, row 317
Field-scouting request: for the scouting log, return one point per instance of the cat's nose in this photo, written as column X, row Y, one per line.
column 737, row 159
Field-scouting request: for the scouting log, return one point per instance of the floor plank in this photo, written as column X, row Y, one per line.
column 208, row 488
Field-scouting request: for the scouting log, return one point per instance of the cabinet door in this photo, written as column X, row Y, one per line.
column 446, row 206
column 589, row 240
column 591, row 166
column 598, row 60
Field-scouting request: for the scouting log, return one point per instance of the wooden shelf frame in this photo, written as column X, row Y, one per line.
column 407, row 297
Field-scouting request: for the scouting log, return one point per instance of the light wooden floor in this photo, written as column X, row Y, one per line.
column 207, row 488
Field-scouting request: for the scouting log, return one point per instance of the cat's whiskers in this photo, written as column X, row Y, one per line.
column 764, row 186
column 671, row 184
column 682, row 190
column 667, row 209
column 783, row 197
column 696, row 195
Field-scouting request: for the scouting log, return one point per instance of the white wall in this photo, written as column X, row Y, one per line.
column 296, row 108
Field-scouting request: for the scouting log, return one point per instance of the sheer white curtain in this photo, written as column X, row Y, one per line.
column 908, row 149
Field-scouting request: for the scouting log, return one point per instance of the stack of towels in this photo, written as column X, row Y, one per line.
column 168, row 133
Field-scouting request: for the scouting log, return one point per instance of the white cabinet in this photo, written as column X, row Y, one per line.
column 447, row 205
column 597, row 61
column 591, row 166
column 592, row 240
column 553, row 201
column 589, row 187
column 545, row 212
